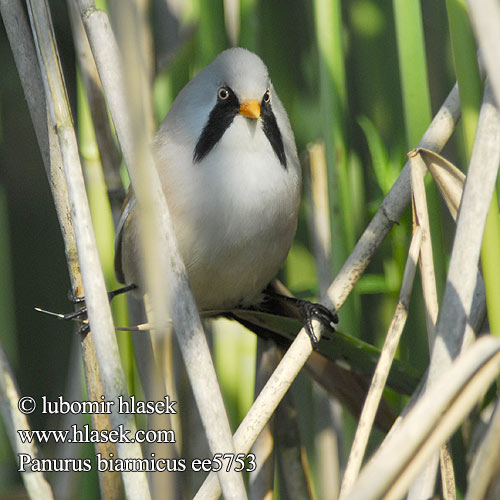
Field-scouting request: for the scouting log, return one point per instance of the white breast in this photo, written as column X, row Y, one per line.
column 235, row 216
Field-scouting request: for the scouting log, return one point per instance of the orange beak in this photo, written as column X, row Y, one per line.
column 250, row 109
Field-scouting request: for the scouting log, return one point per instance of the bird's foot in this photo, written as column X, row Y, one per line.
column 312, row 310
column 304, row 310
column 81, row 314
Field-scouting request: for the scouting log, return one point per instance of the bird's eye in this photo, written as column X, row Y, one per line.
column 223, row 93
column 267, row 97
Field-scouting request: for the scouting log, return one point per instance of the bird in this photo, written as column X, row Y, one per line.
column 228, row 164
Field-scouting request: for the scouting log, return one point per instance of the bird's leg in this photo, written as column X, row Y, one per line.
column 81, row 314
column 306, row 311
column 111, row 295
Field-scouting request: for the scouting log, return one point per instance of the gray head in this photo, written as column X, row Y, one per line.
column 236, row 82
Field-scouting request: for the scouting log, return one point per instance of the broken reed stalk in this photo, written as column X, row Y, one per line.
column 99, row 313
column 450, row 182
column 448, row 178
column 426, row 260
column 390, row 212
column 164, row 270
column 387, row 354
column 428, row 279
column 21, row 42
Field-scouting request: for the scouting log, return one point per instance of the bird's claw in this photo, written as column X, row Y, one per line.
column 75, row 299
column 312, row 310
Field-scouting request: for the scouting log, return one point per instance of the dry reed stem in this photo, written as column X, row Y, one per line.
column 320, row 214
column 165, row 278
column 108, row 152
column 150, row 371
column 264, row 405
column 151, row 378
column 328, row 443
column 448, row 178
column 261, row 480
column 35, row 483
column 461, row 282
column 27, row 64
column 99, row 313
column 426, row 259
column 428, row 278
column 327, row 448
column 462, row 275
column 448, row 485
column 484, row 467
column 450, row 181
column 293, row 468
column 485, row 20
column 429, row 423
column 387, row 354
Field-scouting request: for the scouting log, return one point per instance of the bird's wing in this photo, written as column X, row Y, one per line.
column 128, row 206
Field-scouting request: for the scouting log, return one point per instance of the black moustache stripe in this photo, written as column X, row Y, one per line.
column 272, row 131
column 221, row 117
